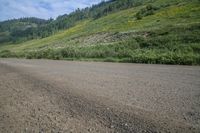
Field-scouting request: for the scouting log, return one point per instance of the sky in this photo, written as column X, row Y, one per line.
column 45, row 9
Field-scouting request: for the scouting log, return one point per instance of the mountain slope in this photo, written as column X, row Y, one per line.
column 160, row 31
column 19, row 30
column 10, row 30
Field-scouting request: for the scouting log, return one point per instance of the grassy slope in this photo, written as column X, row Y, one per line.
column 171, row 14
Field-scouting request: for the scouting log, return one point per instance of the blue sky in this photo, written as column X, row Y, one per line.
column 10, row 9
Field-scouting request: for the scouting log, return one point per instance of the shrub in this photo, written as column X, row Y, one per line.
column 6, row 54
column 148, row 10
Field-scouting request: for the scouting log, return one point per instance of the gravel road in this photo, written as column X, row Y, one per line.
column 80, row 97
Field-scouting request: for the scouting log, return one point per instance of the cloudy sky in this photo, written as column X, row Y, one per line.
column 40, row 8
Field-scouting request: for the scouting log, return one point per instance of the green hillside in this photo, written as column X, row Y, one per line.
column 155, row 31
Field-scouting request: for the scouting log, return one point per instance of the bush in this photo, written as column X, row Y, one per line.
column 148, row 10
column 7, row 54
column 163, row 57
column 138, row 15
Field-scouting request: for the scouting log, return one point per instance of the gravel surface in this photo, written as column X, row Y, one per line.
column 65, row 96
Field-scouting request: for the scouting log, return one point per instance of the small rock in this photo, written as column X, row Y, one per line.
column 89, row 129
column 112, row 126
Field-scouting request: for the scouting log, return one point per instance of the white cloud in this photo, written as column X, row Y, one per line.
column 10, row 9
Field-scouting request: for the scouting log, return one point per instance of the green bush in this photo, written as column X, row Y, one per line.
column 7, row 54
column 148, row 10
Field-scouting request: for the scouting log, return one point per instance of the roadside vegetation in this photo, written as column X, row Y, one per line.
column 145, row 32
